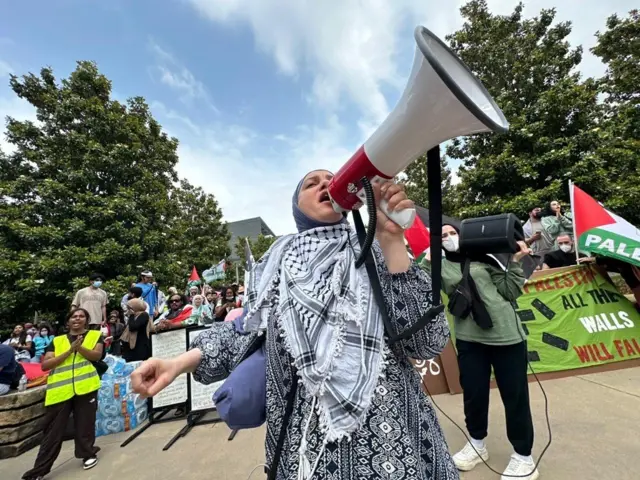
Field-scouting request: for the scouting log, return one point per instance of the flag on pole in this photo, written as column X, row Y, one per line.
column 194, row 279
column 216, row 272
column 601, row 232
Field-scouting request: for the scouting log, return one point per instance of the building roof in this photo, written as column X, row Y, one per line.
column 249, row 227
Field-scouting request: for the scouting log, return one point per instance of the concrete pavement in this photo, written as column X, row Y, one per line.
column 594, row 421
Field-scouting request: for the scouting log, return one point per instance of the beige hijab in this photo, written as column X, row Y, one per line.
column 137, row 306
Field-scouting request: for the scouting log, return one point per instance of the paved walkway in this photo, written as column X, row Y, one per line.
column 594, row 421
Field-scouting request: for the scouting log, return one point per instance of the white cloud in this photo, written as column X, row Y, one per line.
column 172, row 73
column 350, row 48
column 250, row 174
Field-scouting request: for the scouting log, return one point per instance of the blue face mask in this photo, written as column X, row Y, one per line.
column 97, row 283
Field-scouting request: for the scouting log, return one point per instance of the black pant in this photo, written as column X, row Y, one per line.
column 510, row 368
column 84, row 409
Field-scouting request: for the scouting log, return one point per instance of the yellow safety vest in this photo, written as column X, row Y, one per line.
column 76, row 375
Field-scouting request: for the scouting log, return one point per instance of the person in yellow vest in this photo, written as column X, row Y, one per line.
column 72, row 386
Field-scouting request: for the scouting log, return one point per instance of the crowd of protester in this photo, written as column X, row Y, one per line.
column 124, row 331
column 74, row 359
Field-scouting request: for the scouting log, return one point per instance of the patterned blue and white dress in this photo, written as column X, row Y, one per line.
column 401, row 438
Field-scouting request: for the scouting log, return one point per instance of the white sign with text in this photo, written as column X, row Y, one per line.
column 168, row 345
column 201, row 395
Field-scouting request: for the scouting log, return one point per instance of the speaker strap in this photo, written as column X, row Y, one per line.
column 465, row 270
column 434, row 184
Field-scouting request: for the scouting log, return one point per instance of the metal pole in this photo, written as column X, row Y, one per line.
column 573, row 221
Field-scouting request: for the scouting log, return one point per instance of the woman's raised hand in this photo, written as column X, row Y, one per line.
column 153, row 375
column 397, row 199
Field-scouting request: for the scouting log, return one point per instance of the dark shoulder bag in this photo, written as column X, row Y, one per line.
column 460, row 300
column 100, row 365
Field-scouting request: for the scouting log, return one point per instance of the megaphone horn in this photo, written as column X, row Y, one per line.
column 442, row 100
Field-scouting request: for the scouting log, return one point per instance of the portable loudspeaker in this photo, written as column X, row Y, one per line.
column 492, row 234
column 442, row 100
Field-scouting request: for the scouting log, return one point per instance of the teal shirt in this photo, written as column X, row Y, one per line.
column 497, row 290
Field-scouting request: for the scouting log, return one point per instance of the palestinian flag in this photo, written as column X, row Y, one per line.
column 194, row 279
column 601, row 232
column 417, row 236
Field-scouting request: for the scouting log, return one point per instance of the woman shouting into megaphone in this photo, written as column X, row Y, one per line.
column 340, row 402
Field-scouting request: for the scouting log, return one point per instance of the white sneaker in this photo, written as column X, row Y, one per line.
column 519, row 469
column 90, row 463
column 469, row 457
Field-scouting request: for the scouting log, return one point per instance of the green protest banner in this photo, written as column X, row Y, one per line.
column 575, row 318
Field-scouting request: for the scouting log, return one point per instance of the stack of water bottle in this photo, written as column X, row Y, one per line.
column 119, row 408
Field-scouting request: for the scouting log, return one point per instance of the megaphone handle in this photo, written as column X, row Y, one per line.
column 404, row 218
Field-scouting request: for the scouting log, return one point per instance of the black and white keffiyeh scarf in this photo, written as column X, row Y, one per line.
column 329, row 320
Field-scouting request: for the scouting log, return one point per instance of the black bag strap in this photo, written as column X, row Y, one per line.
column 465, row 270
column 291, row 396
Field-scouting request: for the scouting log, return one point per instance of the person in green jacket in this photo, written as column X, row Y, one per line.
column 490, row 336
column 555, row 222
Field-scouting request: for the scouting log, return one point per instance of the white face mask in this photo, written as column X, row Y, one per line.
column 451, row 243
column 565, row 248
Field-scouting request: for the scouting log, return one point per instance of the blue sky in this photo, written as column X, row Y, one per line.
column 257, row 91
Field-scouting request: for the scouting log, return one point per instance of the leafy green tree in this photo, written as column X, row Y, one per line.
column 416, row 183
column 619, row 49
column 91, row 186
column 529, row 67
column 196, row 230
column 619, row 134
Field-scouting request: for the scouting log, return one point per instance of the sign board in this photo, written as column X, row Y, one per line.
column 168, row 345
column 201, row 396
column 574, row 317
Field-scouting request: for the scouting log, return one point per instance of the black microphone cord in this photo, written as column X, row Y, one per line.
column 373, row 221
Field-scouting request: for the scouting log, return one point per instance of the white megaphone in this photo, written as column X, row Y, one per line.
column 442, row 100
